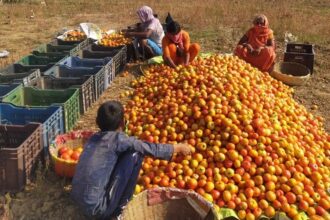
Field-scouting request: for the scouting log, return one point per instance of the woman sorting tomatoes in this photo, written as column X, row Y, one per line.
column 177, row 48
column 257, row 46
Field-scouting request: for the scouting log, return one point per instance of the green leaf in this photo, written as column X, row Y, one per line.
column 158, row 59
column 302, row 216
column 224, row 213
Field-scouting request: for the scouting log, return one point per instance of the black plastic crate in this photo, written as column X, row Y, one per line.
column 17, row 73
column 55, row 55
column 300, row 53
column 119, row 56
column 98, row 72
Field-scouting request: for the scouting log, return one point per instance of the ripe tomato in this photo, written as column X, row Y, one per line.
column 62, row 150
column 75, row 155
column 65, row 156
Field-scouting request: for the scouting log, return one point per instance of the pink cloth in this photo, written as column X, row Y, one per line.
column 149, row 21
column 176, row 39
column 259, row 34
column 145, row 14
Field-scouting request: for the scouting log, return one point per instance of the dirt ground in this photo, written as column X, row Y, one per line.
column 48, row 196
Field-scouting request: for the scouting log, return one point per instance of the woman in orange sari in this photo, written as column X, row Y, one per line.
column 177, row 49
column 257, row 46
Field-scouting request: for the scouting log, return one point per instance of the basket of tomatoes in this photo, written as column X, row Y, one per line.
column 65, row 151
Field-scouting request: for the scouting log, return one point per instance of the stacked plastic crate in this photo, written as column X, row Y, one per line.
column 31, row 118
column 43, row 94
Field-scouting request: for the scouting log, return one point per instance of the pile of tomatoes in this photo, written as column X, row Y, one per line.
column 257, row 150
column 114, row 40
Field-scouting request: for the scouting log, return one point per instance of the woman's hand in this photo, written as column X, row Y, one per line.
column 127, row 34
column 248, row 47
column 257, row 51
column 182, row 148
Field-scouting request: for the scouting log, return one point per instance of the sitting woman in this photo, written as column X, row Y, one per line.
column 149, row 33
column 257, row 46
column 176, row 46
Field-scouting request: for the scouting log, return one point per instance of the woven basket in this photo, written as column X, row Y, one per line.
column 172, row 209
column 144, row 68
column 293, row 74
column 71, row 140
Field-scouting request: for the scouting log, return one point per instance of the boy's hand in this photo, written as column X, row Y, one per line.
column 182, row 148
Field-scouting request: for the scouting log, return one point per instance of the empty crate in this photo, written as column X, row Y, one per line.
column 109, row 68
column 8, row 89
column 97, row 72
column 51, row 119
column 85, row 84
column 20, row 147
column 119, row 56
column 32, row 97
column 17, row 73
column 300, row 53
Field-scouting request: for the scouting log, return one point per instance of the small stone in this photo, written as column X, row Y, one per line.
column 314, row 107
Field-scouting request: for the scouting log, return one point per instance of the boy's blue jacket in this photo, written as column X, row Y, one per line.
column 96, row 164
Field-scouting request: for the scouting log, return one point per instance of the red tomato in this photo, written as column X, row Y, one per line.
column 65, row 156
column 75, row 155
column 62, row 150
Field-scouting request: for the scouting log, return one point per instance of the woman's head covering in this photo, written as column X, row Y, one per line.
column 145, row 14
column 260, row 31
column 261, row 19
column 174, row 33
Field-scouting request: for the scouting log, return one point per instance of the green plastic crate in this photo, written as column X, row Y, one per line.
column 38, row 60
column 67, row 98
column 49, row 48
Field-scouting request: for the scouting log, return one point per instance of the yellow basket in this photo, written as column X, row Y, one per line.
column 189, row 206
column 72, row 140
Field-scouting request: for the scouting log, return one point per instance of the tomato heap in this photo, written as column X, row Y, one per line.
column 69, row 154
column 257, row 150
column 75, row 35
column 114, row 40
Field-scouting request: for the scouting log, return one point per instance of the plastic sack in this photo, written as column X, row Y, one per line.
column 91, row 30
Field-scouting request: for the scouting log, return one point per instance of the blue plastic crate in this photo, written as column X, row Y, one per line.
column 7, row 89
column 81, row 62
column 51, row 119
column 109, row 66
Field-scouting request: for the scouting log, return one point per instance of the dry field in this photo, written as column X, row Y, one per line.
column 215, row 24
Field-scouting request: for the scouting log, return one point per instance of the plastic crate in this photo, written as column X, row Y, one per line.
column 51, row 119
column 300, row 53
column 38, row 60
column 79, row 62
column 119, row 55
column 73, row 61
column 6, row 90
column 32, row 97
column 63, row 42
column 82, row 45
column 84, row 83
column 98, row 73
column 50, row 48
column 16, row 73
column 20, row 147
column 52, row 55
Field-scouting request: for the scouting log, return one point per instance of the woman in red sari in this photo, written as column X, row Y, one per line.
column 257, row 46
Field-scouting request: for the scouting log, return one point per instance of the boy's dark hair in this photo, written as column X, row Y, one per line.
column 110, row 116
column 173, row 27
